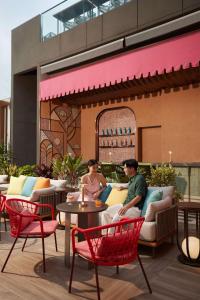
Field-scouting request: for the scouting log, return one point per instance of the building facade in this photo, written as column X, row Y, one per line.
column 5, row 121
column 113, row 80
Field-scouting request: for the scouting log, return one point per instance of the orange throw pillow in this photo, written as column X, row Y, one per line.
column 42, row 183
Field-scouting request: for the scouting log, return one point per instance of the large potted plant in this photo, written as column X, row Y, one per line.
column 70, row 168
column 165, row 175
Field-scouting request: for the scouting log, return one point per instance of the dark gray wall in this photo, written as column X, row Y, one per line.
column 28, row 51
column 23, row 137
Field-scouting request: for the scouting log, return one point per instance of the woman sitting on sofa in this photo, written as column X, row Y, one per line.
column 94, row 183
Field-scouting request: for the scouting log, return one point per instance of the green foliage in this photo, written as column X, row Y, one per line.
column 5, row 158
column 27, row 170
column 164, row 175
column 69, row 168
column 11, row 170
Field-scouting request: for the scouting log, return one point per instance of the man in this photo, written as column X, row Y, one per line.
column 133, row 204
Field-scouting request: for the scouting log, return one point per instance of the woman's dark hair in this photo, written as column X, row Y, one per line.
column 130, row 163
column 92, row 162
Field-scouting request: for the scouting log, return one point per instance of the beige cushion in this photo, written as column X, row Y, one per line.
column 157, row 206
column 16, row 185
column 167, row 190
column 3, row 179
column 37, row 193
column 148, row 231
column 61, row 184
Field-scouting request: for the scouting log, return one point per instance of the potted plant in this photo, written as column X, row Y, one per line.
column 69, row 168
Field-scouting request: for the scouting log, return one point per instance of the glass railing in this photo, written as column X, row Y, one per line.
column 69, row 14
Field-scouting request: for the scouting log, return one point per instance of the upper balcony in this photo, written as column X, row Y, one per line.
column 70, row 13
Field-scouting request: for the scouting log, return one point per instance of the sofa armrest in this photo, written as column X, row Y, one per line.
column 165, row 223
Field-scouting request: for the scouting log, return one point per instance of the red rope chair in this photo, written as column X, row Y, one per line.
column 110, row 245
column 26, row 223
column 2, row 210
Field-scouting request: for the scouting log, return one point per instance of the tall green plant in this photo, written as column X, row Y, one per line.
column 69, row 168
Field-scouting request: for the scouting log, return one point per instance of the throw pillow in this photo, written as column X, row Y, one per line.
column 26, row 220
column 154, row 196
column 116, row 244
column 16, row 185
column 157, row 206
column 42, row 183
column 106, row 192
column 28, row 186
column 117, row 197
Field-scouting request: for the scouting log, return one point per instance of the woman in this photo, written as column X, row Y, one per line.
column 92, row 182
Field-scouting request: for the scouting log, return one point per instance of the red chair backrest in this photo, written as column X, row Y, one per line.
column 115, row 243
column 16, row 209
column 2, row 202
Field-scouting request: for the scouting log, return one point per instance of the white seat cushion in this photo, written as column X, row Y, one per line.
column 148, row 231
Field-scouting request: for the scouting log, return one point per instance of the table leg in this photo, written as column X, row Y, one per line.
column 67, row 240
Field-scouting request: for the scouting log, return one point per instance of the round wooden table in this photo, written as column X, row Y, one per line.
column 188, row 207
column 88, row 216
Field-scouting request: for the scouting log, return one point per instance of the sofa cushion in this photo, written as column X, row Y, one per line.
column 42, row 183
column 3, row 179
column 167, row 190
column 61, row 184
column 157, row 206
column 106, row 192
column 148, row 231
column 28, row 186
column 41, row 192
column 117, row 197
column 152, row 196
column 16, row 185
column 17, row 197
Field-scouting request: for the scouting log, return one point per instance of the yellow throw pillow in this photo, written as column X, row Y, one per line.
column 117, row 197
column 42, row 183
column 16, row 185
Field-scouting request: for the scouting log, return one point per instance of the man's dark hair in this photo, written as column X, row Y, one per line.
column 130, row 163
column 92, row 162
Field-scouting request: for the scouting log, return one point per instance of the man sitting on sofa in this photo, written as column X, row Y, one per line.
column 133, row 204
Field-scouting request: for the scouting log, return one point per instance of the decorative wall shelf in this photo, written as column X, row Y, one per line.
column 121, row 147
column 116, row 135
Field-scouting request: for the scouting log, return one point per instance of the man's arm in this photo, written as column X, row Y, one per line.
column 132, row 203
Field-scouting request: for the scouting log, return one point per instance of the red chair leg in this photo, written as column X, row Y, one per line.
column 117, row 269
column 72, row 272
column 9, row 254
column 97, row 281
column 24, row 244
column 55, row 242
column 43, row 254
column 145, row 276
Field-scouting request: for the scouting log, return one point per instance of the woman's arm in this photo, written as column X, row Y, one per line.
column 103, row 180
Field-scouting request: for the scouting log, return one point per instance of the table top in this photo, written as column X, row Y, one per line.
column 75, row 207
column 190, row 206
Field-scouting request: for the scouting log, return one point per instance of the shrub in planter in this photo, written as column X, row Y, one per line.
column 27, row 170
column 44, row 171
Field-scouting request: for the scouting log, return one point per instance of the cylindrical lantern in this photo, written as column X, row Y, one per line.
column 189, row 245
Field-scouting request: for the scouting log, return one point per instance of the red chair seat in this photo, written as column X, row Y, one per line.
column 34, row 228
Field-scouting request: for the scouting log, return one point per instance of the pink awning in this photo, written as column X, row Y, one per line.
column 165, row 56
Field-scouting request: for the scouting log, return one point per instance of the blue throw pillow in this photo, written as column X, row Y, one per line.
column 28, row 186
column 152, row 196
column 104, row 195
